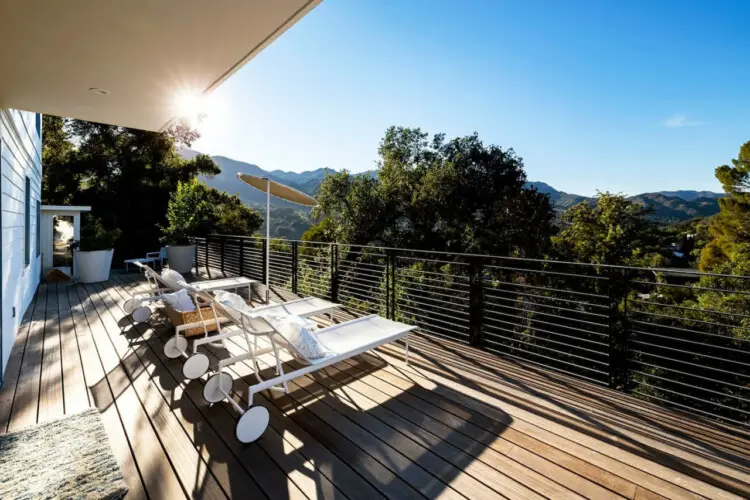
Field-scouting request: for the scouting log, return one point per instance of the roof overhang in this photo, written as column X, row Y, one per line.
column 141, row 52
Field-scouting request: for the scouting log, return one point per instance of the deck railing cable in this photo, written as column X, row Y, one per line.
column 675, row 337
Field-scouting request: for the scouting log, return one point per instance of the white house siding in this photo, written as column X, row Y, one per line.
column 20, row 157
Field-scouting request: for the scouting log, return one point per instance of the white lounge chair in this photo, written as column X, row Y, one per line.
column 344, row 340
column 197, row 363
column 137, row 306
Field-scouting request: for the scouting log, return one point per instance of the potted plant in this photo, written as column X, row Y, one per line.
column 93, row 253
column 186, row 205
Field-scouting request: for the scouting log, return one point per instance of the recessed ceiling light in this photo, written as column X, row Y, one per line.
column 98, row 91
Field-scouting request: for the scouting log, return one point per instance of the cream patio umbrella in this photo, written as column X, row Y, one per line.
column 280, row 191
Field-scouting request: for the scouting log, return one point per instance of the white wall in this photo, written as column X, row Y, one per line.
column 20, row 156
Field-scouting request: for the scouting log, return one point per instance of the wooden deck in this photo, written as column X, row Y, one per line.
column 456, row 423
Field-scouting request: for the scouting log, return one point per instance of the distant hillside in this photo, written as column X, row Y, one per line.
column 673, row 209
column 561, row 199
column 691, row 195
column 669, row 206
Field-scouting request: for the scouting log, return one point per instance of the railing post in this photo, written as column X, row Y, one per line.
column 221, row 240
column 295, row 256
column 619, row 370
column 394, row 273
column 208, row 268
column 476, row 301
column 388, row 284
column 195, row 254
column 242, row 257
column 334, row 272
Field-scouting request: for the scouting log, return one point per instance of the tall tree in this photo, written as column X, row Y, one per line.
column 431, row 193
column 611, row 230
column 731, row 226
column 125, row 175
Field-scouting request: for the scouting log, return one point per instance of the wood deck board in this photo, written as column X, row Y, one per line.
column 457, row 423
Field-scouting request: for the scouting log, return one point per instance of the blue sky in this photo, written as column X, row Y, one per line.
column 627, row 96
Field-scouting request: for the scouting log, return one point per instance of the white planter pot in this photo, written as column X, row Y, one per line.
column 181, row 257
column 93, row 267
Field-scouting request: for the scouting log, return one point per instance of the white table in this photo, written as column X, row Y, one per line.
column 142, row 260
column 226, row 284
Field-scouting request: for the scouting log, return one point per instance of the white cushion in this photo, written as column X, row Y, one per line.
column 297, row 332
column 172, row 278
column 179, row 301
column 230, row 299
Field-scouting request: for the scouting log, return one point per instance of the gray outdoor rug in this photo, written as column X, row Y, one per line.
column 66, row 458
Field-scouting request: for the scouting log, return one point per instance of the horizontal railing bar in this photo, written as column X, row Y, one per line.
column 691, row 409
column 368, row 287
column 463, row 311
column 690, row 363
column 429, row 287
column 411, row 298
column 547, row 306
column 546, row 297
column 697, row 321
column 443, row 314
column 521, row 309
column 543, row 271
column 555, row 360
column 672, row 306
column 695, row 387
column 365, row 272
column 547, row 289
column 457, row 337
column 355, row 264
column 423, row 291
column 692, row 287
column 446, row 331
column 708, row 379
column 544, row 339
column 694, row 342
column 537, row 329
column 691, row 353
column 405, row 272
column 429, row 319
column 563, row 353
column 367, row 278
column 418, row 279
column 368, row 254
column 356, row 295
column 712, row 403
column 373, row 290
column 439, row 261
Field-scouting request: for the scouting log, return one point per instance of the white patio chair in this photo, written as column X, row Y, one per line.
column 197, row 363
column 343, row 340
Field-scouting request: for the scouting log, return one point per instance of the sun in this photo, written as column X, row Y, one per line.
column 189, row 105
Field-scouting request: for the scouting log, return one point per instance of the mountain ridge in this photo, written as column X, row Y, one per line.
column 668, row 206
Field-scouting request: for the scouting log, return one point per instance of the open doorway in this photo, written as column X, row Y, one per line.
column 62, row 236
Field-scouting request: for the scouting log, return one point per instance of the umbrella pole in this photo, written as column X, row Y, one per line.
column 268, row 238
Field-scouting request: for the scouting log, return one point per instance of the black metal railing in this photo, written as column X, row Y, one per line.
column 671, row 336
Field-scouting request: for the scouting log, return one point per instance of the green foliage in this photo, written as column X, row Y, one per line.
column 731, row 226
column 125, row 175
column 94, row 236
column 458, row 195
column 612, row 230
column 196, row 210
